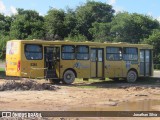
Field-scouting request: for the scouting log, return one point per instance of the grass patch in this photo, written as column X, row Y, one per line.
column 96, row 83
column 78, row 80
column 2, row 69
column 149, row 80
column 2, row 73
column 91, row 83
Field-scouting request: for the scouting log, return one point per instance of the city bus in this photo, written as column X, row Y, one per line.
column 66, row 60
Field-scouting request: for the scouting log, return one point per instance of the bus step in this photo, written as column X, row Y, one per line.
column 51, row 74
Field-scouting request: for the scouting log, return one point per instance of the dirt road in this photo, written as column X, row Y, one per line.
column 156, row 73
column 73, row 98
column 86, row 96
column 144, row 95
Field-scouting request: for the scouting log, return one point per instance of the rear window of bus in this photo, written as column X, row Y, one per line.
column 33, row 52
column 12, row 48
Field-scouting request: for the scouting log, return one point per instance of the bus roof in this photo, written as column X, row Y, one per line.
column 67, row 42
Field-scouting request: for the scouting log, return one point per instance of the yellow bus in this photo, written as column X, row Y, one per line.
column 65, row 60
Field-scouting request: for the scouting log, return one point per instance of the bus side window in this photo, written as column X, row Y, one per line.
column 93, row 55
column 114, row 53
column 82, row 52
column 130, row 54
column 68, row 52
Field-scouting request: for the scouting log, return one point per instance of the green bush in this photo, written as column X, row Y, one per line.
column 3, row 42
column 157, row 66
column 76, row 38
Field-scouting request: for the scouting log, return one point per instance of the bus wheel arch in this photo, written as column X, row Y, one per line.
column 132, row 75
column 69, row 76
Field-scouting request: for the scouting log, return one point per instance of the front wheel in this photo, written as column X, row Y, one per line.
column 68, row 77
column 131, row 76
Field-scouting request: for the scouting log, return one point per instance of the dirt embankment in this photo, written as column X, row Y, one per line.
column 26, row 85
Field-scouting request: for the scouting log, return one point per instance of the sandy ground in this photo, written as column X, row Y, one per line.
column 73, row 98
column 87, row 96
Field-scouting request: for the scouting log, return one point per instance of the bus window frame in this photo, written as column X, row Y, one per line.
column 132, row 54
column 82, row 52
column 33, row 52
column 68, row 52
column 120, row 54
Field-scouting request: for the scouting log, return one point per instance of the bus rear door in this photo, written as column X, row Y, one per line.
column 97, row 62
column 145, row 62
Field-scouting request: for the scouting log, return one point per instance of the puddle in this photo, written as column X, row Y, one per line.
column 144, row 105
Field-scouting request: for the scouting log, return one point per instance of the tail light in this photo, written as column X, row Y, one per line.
column 6, row 66
column 19, row 66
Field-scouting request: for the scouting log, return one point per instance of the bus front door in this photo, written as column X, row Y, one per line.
column 145, row 62
column 52, row 61
column 97, row 62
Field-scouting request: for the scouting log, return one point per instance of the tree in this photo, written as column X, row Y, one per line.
column 28, row 24
column 92, row 12
column 100, row 32
column 70, row 22
column 154, row 39
column 5, row 22
column 54, row 24
column 132, row 28
column 3, row 42
column 2, row 24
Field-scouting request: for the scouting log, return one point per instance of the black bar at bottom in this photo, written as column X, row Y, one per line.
column 28, row 114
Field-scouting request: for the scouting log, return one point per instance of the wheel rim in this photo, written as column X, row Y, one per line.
column 69, row 77
column 132, row 76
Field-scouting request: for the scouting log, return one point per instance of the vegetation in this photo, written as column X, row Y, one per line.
column 2, row 69
column 96, row 83
column 92, row 21
column 2, row 73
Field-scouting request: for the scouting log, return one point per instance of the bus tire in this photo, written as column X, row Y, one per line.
column 68, row 77
column 131, row 76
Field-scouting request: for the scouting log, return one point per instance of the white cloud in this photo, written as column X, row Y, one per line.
column 158, row 18
column 149, row 13
column 41, row 14
column 118, row 9
column 2, row 7
column 7, row 12
column 13, row 10
column 111, row 2
column 115, row 7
